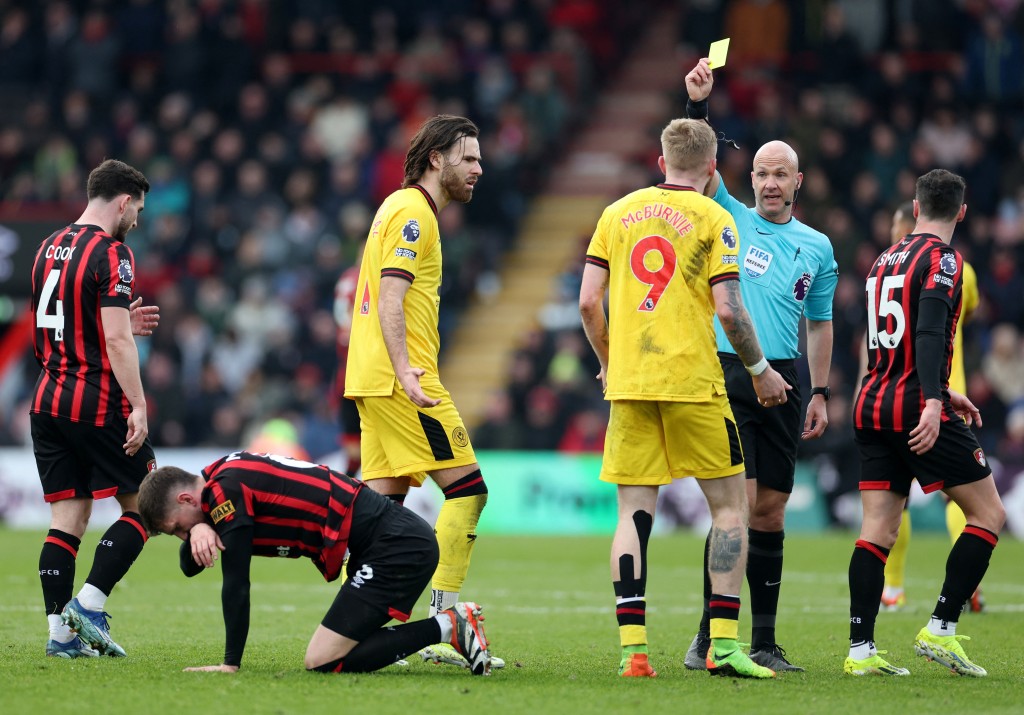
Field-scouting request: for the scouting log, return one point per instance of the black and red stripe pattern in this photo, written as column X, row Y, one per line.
column 77, row 271
column 65, row 541
column 920, row 265
column 295, row 508
column 427, row 196
column 723, row 277
column 675, row 187
column 397, row 273
column 631, row 611
column 982, row 533
column 874, row 549
column 727, row 607
column 597, row 261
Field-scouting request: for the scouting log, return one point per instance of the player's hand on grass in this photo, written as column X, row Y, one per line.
column 138, row 429
column 922, row 437
column 965, row 408
column 816, row 420
column 213, row 669
column 699, row 81
column 771, row 388
column 144, row 318
column 206, row 545
column 410, row 382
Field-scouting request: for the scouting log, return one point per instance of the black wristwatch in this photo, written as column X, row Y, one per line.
column 826, row 392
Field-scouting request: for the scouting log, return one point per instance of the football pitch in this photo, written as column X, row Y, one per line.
column 549, row 613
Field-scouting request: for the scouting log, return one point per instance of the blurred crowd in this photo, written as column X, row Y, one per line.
column 270, row 131
column 871, row 94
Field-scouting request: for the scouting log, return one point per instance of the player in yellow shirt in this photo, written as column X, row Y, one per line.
column 667, row 257
column 894, row 596
column 410, row 426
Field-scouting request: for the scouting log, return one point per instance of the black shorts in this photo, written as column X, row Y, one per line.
column 348, row 415
column 80, row 460
column 770, row 435
column 387, row 572
column 887, row 463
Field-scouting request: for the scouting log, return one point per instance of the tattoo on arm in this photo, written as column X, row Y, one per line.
column 726, row 547
column 740, row 329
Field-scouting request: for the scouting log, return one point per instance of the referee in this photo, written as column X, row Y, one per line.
column 787, row 271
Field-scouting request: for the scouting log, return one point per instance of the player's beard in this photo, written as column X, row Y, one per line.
column 455, row 186
column 123, row 227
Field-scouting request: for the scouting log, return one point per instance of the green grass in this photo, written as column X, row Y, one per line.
column 549, row 614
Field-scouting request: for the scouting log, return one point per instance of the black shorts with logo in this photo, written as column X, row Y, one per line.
column 887, row 463
column 393, row 554
column 770, row 435
column 80, row 460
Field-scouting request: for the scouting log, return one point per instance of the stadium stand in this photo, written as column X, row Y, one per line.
column 270, row 131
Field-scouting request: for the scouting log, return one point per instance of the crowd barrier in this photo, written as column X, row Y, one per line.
column 529, row 493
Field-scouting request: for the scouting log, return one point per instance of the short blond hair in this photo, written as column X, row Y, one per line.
column 687, row 144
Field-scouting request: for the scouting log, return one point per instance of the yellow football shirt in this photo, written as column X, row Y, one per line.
column 957, row 376
column 664, row 247
column 403, row 242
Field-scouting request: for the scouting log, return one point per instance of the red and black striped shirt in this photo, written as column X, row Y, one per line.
column 295, row 508
column 77, row 271
column 921, row 266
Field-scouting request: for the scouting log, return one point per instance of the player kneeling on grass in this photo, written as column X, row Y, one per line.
column 247, row 505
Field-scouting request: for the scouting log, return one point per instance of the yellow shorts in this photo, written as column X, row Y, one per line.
column 650, row 443
column 400, row 439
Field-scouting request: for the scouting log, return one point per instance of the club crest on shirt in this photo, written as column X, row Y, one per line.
column 411, row 231
column 364, row 304
column 757, row 261
column 979, row 457
column 802, row 285
column 948, row 264
column 728, row 237
column 222, row 511
column 124, row 270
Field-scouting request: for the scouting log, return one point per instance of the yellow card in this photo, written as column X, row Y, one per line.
column 717, row 53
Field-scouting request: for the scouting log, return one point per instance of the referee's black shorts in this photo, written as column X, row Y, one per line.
column 770, row 435
column 78, row 460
